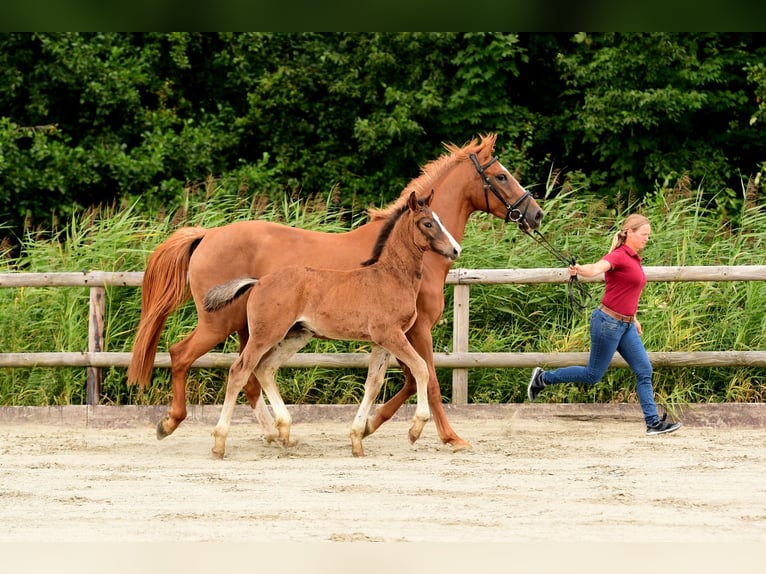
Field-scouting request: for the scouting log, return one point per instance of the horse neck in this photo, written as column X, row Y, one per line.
column 401, row 253
column 452, row 200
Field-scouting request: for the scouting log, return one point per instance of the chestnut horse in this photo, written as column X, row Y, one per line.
column 194, row 259
column 375, row 303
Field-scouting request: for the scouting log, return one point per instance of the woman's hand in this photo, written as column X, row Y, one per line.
column 638, row 326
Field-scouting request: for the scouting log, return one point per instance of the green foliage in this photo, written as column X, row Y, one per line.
column 90, row 119
column 646, row 109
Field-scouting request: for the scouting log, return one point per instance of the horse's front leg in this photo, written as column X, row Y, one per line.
column 420, row 337
column 405, row 352
column 419, row 370
column 375, row 375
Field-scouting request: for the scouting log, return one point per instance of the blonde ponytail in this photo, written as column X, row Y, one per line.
column 632, row 222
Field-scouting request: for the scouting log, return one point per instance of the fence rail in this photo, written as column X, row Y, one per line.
column 459, row 360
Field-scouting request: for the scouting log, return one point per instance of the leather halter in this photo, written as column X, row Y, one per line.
column 513, row 212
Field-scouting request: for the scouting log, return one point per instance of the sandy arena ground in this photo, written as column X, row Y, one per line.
column 536, row 473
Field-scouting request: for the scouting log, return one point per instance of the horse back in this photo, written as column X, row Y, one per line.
column 256, row 248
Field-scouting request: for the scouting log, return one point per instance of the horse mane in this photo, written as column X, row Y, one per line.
column 385, row 233
column 423, row 184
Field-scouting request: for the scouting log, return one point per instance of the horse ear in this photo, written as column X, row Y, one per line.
column 430, row 198
column 413, row 201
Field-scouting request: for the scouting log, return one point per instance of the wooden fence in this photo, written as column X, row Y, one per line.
column 460, row 359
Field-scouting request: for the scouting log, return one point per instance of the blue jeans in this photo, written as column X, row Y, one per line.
column 608, row 335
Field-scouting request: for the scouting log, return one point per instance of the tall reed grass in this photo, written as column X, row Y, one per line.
column 687, row 230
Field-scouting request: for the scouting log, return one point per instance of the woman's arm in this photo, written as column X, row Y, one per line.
column 590, row 269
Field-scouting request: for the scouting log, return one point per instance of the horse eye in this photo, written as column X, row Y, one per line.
column 428, row 224
column 501, row 177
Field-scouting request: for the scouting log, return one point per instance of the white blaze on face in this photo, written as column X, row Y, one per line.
column 454, row 243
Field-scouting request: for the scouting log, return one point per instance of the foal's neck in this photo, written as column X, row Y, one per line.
column 400, row 252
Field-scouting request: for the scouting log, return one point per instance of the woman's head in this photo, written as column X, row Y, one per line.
column 635, row 232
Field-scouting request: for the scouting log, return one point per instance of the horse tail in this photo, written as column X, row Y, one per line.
column 164, row 288
column 221, row 295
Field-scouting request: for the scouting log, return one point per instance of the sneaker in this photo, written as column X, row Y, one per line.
column 662, row 426
column 536, row 384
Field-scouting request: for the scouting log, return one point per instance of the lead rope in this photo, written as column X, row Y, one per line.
column 579, row 297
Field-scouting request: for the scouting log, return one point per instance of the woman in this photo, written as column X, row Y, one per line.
column 613, row 324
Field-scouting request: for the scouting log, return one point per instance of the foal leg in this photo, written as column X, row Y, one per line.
column 421, row 339
column 238, row 375
column 253, row 394
column 266, row 370
column 405, row 352
column 375, row 374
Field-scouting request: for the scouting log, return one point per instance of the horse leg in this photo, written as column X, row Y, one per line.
column 404, row 351
column 282, row 418
column 239, row 372
column 421, row 339
column 267, row 367
column 253, row 394
column 375, row 373
column 182, row 355
column 446, row 434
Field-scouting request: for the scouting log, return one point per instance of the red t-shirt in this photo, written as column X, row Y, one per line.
column 624, row 281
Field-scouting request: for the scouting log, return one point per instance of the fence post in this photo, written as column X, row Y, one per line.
column 95, row 343
column 460, row 341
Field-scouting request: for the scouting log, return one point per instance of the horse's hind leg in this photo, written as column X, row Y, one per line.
column 182, row 355
column 265, row 372
column 239, row 372
column 375, row 374
column 253, row 394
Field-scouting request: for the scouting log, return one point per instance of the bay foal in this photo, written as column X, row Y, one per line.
column 376, row 303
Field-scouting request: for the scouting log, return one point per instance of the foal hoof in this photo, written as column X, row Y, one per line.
column 416, row 429
column 289, row 443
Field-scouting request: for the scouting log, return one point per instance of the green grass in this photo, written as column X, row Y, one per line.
column 687, row 230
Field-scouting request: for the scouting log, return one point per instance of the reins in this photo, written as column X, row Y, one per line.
column 579, row 297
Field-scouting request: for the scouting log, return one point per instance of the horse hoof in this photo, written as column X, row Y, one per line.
column 289, row 443
column 218, row 455
column 416, row 430
column 161, row 431
column 459, row 444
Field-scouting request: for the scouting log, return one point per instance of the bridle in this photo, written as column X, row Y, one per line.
column 513, row 212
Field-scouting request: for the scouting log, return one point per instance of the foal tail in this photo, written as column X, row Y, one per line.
column 221, row 295
column 164, row 288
